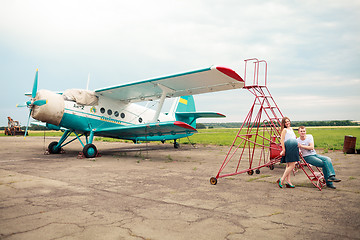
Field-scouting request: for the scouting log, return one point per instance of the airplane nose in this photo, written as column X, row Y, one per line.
column 51, row 112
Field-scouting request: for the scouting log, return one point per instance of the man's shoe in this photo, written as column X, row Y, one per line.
column 331, row 186
column 333, row 179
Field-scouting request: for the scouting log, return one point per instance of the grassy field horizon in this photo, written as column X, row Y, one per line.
column 327, row 138
column 331, row 138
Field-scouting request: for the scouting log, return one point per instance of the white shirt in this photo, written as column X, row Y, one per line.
column 309, row 139
column 289, row 134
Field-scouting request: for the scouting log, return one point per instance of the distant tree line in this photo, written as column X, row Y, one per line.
column 325, row 123
column 293, row 123
column 31, row 127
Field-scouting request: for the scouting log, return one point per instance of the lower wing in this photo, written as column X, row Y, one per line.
column 150, row 130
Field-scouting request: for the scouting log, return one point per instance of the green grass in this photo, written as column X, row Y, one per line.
column 333, row 138
column 329, row 138
column 325, row 138
column 41, row 133
column 216, row 136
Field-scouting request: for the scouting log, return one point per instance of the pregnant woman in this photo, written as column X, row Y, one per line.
column 290, row 152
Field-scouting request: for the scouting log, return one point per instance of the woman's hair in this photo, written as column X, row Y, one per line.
column 283, row 123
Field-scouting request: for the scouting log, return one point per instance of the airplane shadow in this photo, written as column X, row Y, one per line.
column 144, row 150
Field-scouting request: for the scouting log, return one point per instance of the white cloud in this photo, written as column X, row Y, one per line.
column 312, row 47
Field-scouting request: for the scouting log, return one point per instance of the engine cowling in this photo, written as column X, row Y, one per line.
column 51, row 112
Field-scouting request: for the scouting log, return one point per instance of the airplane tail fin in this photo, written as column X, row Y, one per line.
column 181, row 107
column 184, row 110
column 185, row 104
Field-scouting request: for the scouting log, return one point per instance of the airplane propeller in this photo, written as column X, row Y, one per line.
column 31, row 103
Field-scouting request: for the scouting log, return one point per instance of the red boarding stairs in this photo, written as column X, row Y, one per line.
column 257, row 143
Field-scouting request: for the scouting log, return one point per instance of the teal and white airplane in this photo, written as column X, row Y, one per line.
column 114, row 111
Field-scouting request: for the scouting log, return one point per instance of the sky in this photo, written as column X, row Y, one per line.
column 312, row 48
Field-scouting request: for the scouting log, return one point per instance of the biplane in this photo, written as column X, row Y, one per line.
column 115, row 111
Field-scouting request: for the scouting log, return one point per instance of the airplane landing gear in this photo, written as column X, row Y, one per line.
column 176, row 144
column 53, row 149
column 90, row 151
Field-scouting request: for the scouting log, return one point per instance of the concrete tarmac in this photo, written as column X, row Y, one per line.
column 157, row 192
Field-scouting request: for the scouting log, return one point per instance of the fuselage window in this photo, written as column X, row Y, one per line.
column 102, row 110
column 122, row 115
column 140, row 120
column 109, row 112
column 116, row 113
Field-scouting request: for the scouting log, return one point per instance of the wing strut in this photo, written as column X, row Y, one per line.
column 165, row 91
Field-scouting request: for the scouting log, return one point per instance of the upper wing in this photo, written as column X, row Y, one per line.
column 147, row 130
column 211, row 79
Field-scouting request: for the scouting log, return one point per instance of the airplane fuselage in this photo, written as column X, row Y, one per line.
column 105, row 113
column 108, row 113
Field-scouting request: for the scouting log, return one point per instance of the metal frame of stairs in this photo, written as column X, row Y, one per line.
column 257, row 143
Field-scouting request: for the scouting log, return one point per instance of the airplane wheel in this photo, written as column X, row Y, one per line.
column 271, row 167
column 250, row 172
column 53, row 149
column 90, row 151
column 257, row 171
column 213, row 181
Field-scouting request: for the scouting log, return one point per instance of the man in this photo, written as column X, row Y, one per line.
column 306, row 146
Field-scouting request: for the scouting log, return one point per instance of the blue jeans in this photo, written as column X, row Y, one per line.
column 323, row 162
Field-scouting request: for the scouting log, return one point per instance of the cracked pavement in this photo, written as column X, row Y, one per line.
column 157, row 192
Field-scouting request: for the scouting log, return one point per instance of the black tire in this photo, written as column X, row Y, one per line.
column 257, row 171
column 271, row 167
column 53, row 149
column 250, row 172
column 213, row 181
column 176, row 145
column 90, row 151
